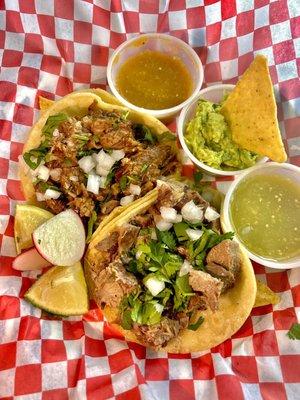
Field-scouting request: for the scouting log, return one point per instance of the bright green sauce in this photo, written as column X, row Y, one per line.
column 265, row 213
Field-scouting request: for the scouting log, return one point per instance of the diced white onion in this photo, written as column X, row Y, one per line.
column 55, row 173
column 169, row 214
column 211, row 214
column 138, row 254
column 55, row 132
column 134, row 189
column 126, row 200
column 192, row 213
column 101, row 171
column 43, row 173
column 117, row 154
column 104, row 160
column 178, row 218
column 154, row 285
column 93, row 183
column 52, row 194
column 159, row 307
column 185, row 268
column 163, row 225
column 40, row 196
column 194, row 234
column 86, row 164
column 74, row 178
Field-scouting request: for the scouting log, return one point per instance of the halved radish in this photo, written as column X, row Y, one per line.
column 30, row 260
column 61, row 240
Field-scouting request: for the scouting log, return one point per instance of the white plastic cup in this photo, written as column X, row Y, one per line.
column 163, row 43
column 214, row 94
column 273, row 168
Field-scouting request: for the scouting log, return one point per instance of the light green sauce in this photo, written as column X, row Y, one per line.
column 265, row 213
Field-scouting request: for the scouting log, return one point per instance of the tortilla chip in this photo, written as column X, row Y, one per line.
column 264, row 295
column 250, row 110
column 44, row 103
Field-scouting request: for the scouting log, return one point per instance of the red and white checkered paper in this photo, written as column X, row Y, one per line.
column 51, row 48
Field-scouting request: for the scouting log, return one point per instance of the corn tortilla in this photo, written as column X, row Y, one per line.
column 234, row 307
column 251, row 112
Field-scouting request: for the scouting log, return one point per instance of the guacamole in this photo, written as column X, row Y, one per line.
column 208, row 137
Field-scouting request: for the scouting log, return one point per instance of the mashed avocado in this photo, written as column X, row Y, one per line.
column 208, row 137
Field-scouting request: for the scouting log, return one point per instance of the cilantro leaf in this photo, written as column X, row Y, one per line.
column 144, row 168
column 183, row 291
column 167, row 238
column 294, row 332
column 52, row 123
column 151, row 312
column 197, row 177
column 126, row 321
column 165, row 295
column 195, row 326
column 157, row 252
column 123, row 182
column 91, row 223
column 144, row 134
column 180, row 231
column 171, row 265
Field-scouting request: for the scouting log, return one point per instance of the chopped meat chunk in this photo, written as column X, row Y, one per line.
column 227, row 255
column 196, row 303
column 209, row 286
column 216, row 225
column 157, row 335
column 56, row 206
column 112, row 284
column 84, row 205
column 127, row 236
column 221, row 273
column 109, row 206
column 142, row 220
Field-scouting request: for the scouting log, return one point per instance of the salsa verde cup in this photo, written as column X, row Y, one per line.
column 166, row 44
column 271, row 168
column 215, row 94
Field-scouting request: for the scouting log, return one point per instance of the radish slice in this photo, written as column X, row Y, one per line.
column 61, row 239
column 30, row 260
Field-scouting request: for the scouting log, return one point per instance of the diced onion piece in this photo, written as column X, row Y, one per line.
column 101, row 171
column 93, row 183
column 55, row 173
column 43, row 173
column 55, row 132
column 117, row 154
column 40, row 196
column 154, row 285
column 185, row 268
column 51, row 194
column 169, row 214
column 126, row 200
column 178, row 218
column 192, row 213
column 104, row 160
column 138, row 254
column 194, row 234
column 159, row 307
column 74, row 178
column 86, row 164
column 163, row 225
column 134, row 189
column 211, row 214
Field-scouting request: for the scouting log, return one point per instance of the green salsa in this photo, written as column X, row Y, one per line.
column 265, row 213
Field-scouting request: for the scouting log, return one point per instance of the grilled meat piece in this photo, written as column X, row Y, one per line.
column 127, row 237
column 210, row 287
column 196, row 303
column 112, row 284
column 56, row 206
column 157, row 335
column 109, row 206
column 84, row 206
column 226, row 255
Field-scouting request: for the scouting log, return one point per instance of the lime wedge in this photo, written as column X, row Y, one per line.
column 27, row 219
column 61, row 291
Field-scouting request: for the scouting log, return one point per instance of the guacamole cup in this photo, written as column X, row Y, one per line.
column 214, row 94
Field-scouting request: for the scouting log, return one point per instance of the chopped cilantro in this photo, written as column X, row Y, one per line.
column 43, row 186
column 197, row 177
column 123, row 182
column 180, row 231
column 84, row 153
column 144, row 168
column 183, row 291
column 126, row 321
column 52, row 123
column 167, row 238
column 91, row 223
column 294, row 332
column 144, row 134
column 195, row 326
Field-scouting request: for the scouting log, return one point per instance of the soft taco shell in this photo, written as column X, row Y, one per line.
column 77, row 103
column 234, row 307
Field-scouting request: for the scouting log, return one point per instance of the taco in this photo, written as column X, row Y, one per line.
column 165, row 275
column 92, row 156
